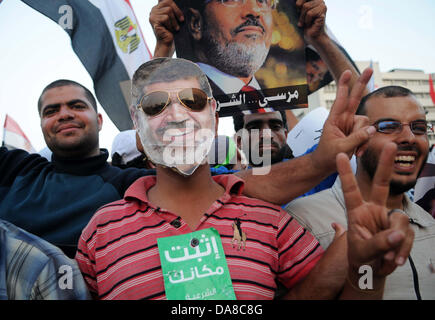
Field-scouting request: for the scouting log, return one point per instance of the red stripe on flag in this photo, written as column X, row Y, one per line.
column 14, row 137
column 431, row 89
column 12, row 126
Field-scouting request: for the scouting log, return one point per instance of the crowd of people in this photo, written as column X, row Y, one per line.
column 76, row 226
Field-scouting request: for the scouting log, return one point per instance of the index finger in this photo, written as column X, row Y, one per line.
column 348, row 102
column 381, row 181
column 359, row 89
column 351, row 192
column 341, row 97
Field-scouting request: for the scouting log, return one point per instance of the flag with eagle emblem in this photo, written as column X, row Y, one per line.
column 106, row 37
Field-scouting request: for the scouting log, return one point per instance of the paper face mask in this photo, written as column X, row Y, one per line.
column 176, row 123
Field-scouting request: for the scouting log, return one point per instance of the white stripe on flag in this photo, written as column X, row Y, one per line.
column 125, row 31
column 17, row 141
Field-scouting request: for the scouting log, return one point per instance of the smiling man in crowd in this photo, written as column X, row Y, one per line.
column 55, row 200
column 398, row 118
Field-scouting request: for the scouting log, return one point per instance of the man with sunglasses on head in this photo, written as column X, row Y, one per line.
column 398, row 118
column 120, row 253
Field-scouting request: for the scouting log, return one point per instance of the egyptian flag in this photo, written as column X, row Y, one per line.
column 431, row 89
column 106, row 37
column 14, row 137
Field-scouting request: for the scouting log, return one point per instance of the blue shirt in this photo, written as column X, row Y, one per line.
column 33, row 269
column 324, row 184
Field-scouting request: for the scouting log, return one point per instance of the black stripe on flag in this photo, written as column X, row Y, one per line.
column 92, row 42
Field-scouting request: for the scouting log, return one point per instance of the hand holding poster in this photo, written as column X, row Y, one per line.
column 251, row 51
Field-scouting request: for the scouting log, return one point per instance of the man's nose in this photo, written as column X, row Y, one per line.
column 252, row 7
column 406, row 135
column 65, row 112
column 266, row 132
column 175, row 110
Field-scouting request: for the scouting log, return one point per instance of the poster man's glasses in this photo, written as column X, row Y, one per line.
column 269, row 4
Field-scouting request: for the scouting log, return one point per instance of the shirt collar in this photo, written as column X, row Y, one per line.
column 228, row 83
column 138, row 190
column 81, row 167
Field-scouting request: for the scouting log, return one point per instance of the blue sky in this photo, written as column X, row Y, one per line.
column 35, row 50
column 398, row 34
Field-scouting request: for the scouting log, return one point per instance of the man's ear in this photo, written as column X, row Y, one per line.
column 139, row 145
column 216, row 115
column 195, row 24
column 238, row 141
column 100, row 121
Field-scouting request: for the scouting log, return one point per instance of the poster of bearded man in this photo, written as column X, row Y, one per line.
column 252, row 51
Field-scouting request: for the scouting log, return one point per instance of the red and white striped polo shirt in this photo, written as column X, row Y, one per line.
column 119, row 258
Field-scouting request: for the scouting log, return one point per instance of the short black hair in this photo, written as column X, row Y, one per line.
column 64, row 83
column 386, row 92
column 239, row 123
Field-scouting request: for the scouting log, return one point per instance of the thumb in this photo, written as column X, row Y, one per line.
column 358, row 138
column 339, row 230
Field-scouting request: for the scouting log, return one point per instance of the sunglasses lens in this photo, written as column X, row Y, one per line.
column 154, row 102
column 193, row 98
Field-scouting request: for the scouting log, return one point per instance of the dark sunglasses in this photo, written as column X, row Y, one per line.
column 193, row 99
column 418, row 127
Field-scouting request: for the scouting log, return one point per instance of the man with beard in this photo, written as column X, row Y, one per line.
column 231, row 39
column 265, row 136
column 122, row 253
column 399, row 118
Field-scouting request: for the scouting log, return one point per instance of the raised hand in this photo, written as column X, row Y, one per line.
column 164, row 19
column 376, row 236
column 312, row 18
column 343, row 131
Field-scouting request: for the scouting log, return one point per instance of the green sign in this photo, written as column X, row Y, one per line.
column 194, row 267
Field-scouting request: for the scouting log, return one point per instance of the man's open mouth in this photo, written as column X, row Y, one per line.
column 405, row 162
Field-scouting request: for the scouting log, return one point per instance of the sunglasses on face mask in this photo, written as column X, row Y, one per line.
column 155, row 102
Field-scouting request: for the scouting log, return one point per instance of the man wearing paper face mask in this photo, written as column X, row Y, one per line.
column 174, row 113
column 127, row 247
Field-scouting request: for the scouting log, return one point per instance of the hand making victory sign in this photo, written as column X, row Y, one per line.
column 377, row 237
column 343, row 130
